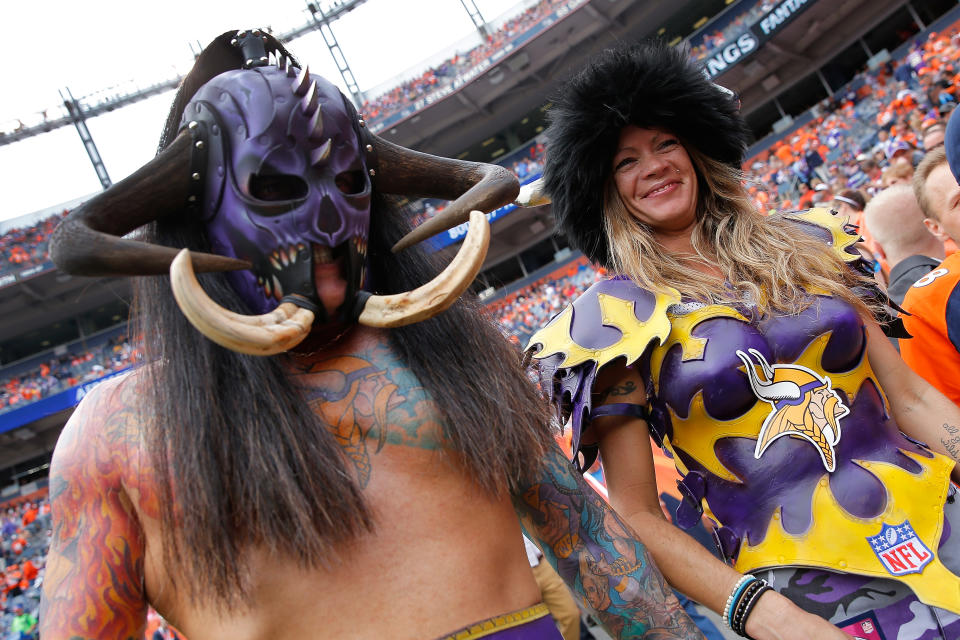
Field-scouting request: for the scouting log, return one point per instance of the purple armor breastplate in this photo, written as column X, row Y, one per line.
column 778, row 424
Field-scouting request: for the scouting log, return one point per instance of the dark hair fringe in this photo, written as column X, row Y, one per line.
column 240, row 459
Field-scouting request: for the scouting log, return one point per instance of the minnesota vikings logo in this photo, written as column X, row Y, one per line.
column 804, row 406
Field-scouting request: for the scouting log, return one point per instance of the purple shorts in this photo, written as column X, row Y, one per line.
column 532, row 623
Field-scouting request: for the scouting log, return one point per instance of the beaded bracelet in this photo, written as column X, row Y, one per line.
column 746, row 605
column 737, row 618
column 734, row 597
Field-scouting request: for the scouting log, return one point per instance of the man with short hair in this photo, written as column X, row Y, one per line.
column 933, row 301
column 896, row 224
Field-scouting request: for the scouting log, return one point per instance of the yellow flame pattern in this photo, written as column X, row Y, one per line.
column 839, row 540
column 616, row 313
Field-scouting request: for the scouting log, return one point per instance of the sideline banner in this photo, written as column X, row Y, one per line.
column 777, row 18
column 457, row 233
column 8, row 279
column 753, row 37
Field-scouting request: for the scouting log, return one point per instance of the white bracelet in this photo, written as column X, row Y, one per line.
column 733, row 592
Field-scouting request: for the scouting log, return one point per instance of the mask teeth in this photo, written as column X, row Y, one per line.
column 320, row 154
column 277, row 289
column 361, row 244
column 311, row 101
column 267, row 290
column 291, row 70
column 292, row 254
column 358, row 244
column 302, row 83
column 316, row 124
column 274, row 261
column 281, row 62
column 271, row 59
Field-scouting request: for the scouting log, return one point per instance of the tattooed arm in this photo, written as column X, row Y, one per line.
column 93, row 582
column 599, row 556
column 920, row 410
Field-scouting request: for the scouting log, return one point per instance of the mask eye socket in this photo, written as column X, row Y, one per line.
column 350, row 182
column 277, row 187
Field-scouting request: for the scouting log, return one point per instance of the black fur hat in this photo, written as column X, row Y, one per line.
column 647, row 84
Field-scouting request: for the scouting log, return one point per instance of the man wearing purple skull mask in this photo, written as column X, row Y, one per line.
column 342, row 452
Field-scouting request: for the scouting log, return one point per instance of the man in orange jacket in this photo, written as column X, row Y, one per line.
column 933, row 301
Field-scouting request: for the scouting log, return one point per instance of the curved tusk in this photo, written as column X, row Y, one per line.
column 283, row 328
column 532, row 195
column 437, row 295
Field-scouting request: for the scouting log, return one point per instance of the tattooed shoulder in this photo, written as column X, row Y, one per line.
column 96, row 552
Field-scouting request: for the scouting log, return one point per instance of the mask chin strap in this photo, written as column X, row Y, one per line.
column 359, row 304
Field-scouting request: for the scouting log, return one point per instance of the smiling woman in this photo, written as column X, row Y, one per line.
column 747, row 346
column 655, row 181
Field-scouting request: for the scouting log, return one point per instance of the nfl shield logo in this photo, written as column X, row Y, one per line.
column 899, row 549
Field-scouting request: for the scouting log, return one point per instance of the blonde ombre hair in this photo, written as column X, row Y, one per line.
column 764, row 259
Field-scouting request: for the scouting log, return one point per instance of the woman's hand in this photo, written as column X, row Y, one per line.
column 776, row 618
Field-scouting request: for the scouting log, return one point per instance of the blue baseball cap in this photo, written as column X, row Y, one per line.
column 951, row 142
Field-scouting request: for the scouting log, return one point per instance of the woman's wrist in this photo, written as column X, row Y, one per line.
column 771, row 611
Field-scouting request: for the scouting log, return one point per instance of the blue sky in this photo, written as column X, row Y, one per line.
column 110, row 46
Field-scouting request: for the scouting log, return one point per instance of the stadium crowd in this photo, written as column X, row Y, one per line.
column 24, row 540
column 67, row 370
column 866, row 139
column 436, row 77
column 862, row 142
column 521, row 312
column 26, row 247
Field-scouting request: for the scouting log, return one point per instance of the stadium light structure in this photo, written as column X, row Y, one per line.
column 80, row 121
column 323, row 25
column 87, row 109
column 476, row 17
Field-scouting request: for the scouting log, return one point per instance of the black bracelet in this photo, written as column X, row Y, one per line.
column 747, row 609
column 738, row 619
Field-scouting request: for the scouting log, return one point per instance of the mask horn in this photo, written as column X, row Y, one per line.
column 287, row 325
column 470, row 185
column 438, row 294
column 279, row 330
column 87, row 242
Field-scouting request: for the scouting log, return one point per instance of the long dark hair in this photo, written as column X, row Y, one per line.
column 240, row 458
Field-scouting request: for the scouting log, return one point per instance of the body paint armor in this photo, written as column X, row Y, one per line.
column 778, row 424
column 286, row 184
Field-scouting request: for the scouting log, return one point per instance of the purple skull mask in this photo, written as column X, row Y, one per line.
column 286, row 187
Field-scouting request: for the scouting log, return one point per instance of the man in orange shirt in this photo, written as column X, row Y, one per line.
column 933, row 302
